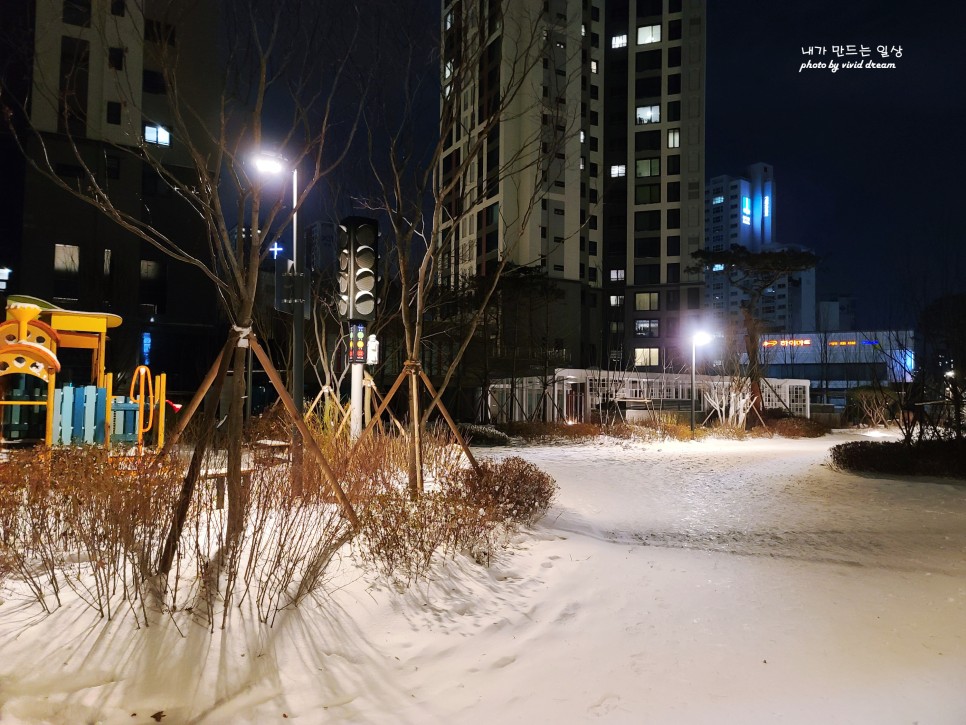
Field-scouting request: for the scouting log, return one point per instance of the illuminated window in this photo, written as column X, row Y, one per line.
column 648, row 34
column 646, row 328
column 449, row 20
column 648, row 114
column 66, row 258
column 646, row 301
column 593, row 66
column 647, row 167
column 582, row 137
column 617, row 275
column 617, row 300
column 718, row 200
column 717, row 268
column 647, row 357
column 150, row 269
column 618, row 170
column 157, row 135
column 619, row 41
column 674, row 138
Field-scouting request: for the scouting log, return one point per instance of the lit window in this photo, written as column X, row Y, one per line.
column 593, row 66
column 150, row 269
column 581, row 137
column 673, row 138
column 647, row 357
column 617, row 275
column 66, row 258
column 646, row 301
column 449, row 20
column 583, row 30
column 717, row 268
column 617, row 300
column 157, row 135
column 647, row 167
column 648, row 34
column 618, row 170
column 619, row 41
column 718, row 200
column 648, row 114
column 581, row 163
column 646, row 328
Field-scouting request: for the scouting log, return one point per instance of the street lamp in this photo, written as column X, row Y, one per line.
column 274, row 166
column 698, row 338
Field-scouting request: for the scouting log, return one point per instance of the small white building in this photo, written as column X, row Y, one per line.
column 578, row 395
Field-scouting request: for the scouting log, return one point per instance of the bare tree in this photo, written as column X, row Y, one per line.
column 753, row 273
column 267, row 80
column 490, row 59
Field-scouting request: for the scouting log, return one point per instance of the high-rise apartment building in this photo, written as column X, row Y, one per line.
column 653, row 173
column 91, row 75
column 741, row 210
column 618, row 103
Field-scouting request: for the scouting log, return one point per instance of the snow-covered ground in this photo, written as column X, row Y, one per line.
column 707, row 582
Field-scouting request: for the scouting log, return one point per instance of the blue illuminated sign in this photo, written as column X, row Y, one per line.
column 275, row 249
column 146, row 347
column 746, row 210
column 767, row 206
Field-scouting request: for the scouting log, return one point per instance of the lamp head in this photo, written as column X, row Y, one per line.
column 267, row 164
column 700, row 338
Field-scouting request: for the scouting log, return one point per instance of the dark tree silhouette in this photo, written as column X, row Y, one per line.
column 753, row 273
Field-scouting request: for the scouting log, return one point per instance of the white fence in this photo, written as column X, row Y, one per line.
column 576, row 395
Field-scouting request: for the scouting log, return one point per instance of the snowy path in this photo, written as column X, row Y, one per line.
column 680, row 584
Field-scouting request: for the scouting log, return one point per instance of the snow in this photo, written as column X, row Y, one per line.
column 679, row 582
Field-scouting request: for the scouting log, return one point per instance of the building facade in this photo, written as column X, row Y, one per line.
column 741, row 210
column 617, row 103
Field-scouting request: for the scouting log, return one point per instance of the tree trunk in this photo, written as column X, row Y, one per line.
column 237, row 490
column 752, row 343
column 416, row 446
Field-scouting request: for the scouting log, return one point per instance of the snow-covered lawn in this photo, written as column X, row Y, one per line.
column 707, row 582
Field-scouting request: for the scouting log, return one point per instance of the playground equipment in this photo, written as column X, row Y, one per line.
column 30, row 339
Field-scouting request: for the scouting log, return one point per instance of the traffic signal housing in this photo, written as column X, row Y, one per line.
column 358, row 258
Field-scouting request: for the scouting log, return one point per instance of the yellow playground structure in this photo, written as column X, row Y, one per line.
column 30, row 338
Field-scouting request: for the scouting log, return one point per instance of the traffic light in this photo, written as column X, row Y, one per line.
column 357, row 268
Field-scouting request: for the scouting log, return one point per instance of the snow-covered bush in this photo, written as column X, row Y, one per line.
column 513, row 490
column 465, row 512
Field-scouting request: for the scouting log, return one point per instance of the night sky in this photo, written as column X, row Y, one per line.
column 868, row 162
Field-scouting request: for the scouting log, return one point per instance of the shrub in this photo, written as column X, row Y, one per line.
column 512, row 490
column 484, row 435
column 546, row 432
column 466, row 512
column 792, row 427
column 943, row 458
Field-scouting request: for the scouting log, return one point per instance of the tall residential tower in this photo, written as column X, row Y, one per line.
column 618, row 104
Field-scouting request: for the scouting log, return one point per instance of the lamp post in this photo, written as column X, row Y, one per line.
column 698, row 338
column 275, row 165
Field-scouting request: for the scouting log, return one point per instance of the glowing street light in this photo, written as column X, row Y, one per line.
column 698, row 338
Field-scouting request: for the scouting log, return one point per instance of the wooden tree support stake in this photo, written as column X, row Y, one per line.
column 307, row 437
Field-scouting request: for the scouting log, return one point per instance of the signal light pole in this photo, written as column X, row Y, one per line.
column 357, row 300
